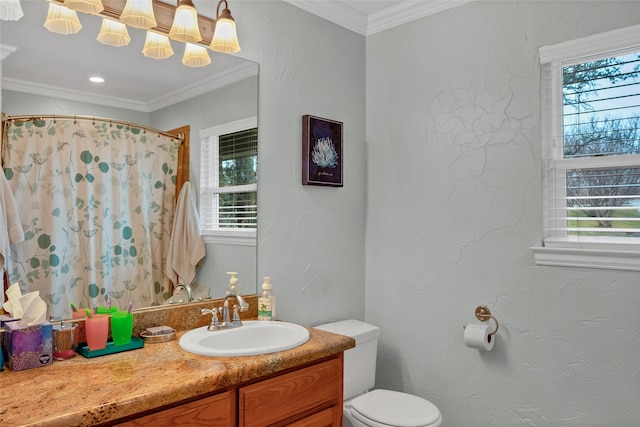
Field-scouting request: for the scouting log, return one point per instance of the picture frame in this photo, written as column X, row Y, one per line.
column 322, row 161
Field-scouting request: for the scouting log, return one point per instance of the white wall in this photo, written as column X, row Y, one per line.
column 454, row 203
column 310, row 239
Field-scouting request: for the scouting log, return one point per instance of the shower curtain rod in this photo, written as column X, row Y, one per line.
column 6, row 118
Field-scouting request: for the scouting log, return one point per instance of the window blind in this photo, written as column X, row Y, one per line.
column 591, row 150
column 228, row 187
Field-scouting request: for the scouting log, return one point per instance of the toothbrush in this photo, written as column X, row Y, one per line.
column 108, row 302
column 88, row 313
column 130, row 307
column 74, row 308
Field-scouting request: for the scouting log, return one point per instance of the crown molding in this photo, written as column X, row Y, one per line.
column 219, row 80
column 40, row 89
column 230, row 76
column 336, row 12
column 341, row 14
column 408, row 11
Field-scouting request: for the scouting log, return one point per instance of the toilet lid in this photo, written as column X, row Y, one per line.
column 393, row 408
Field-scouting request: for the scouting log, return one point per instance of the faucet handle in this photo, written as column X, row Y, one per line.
column 236, row 317
column 215, row 323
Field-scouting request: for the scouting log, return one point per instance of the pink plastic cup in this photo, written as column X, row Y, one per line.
column 97, row 330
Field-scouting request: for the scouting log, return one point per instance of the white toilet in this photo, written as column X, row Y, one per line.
column 376, row 408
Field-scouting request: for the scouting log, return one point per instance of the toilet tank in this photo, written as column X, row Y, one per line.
column 360, row 361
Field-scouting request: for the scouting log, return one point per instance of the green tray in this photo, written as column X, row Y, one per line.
column 111, row 348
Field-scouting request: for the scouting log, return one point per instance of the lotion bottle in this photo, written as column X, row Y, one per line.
column 267, row 301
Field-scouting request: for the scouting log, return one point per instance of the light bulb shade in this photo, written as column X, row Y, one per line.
column 85, row 6
column 113, row 33
column 185, row 26
column 62, row 20
column 225, row 39
column 10, row 10
column 139, row 14
column 195, row 56
column 157, row 46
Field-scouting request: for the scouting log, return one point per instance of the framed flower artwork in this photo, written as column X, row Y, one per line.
column 321, row 151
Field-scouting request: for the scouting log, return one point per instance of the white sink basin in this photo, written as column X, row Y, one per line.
column 252, row 338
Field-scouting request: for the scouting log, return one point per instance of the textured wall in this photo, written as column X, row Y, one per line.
column 454, row 203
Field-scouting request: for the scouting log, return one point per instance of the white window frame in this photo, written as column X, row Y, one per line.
column 244, row 237
column 604, row 253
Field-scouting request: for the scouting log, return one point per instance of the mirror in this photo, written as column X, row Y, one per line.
column 48, row 73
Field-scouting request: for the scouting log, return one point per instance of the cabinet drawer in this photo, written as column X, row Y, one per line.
column 218, row 410
column 298, row 393
column 331, row 417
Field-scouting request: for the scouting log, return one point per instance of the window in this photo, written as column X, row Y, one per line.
column 591, row 152
column 228, row 182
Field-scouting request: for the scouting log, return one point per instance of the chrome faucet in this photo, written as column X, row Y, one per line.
column 227, row 321
column 242, row 305
column 186, row 287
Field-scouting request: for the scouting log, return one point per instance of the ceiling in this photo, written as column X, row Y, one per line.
column 35, row 60
column 56, row 65
column 368, row 17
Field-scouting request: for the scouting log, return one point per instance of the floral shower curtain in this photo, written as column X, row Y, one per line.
column 96, row 202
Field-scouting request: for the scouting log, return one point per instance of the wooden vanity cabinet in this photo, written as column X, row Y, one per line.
column 306, row 397
column 218, row 410
column 310, row 396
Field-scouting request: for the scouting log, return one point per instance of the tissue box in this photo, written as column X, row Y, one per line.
column 29, row 346
column 5, row 319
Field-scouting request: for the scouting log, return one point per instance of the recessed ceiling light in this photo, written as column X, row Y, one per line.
column 96, row 79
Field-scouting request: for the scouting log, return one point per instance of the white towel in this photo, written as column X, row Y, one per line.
column 10, row 228
column 186, row 246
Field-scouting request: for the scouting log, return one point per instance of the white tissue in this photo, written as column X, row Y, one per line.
column 13, row 305
column 34, row 309
column 29, row 308
column 477, row 336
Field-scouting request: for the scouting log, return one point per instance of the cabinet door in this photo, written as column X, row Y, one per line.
column 218, row 410
column 289, row 397
column 330, row 417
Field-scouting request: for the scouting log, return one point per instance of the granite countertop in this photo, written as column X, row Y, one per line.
column 87, row 391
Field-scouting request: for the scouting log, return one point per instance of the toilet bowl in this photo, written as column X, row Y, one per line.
column 375, row 408
column 386, row 408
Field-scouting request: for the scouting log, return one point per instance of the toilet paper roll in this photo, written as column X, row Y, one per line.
column 477, row 336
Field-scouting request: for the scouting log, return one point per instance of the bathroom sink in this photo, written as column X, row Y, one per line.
column 252, row 338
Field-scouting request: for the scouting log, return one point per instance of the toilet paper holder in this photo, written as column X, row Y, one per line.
column 483, row 314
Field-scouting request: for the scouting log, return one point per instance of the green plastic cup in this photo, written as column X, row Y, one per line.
column 105, row 310
column 121, row 327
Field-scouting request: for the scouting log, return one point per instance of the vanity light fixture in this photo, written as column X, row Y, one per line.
column 113, row 33
column 161, row 19
column 157, row 46
column 62, row 20
column 10, row 10
column 195, row 56
column 85, row 6
column 185, row 26
column 139, row 14
column 225, row 38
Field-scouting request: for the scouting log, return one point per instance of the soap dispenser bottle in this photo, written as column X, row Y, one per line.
column 234, row 288
column 267, row 301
